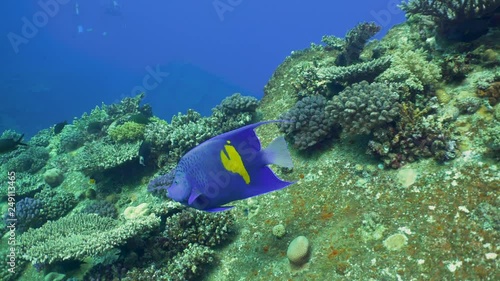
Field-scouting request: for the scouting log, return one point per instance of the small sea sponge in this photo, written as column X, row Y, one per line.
column 128, row 132
column 395, row 242
column 442, row 96
column 279, row 230
column 132, row 212
column 53, row 177
column 298, row 252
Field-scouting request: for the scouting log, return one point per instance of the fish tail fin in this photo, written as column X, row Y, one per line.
column 20, row 139
column 277, row 153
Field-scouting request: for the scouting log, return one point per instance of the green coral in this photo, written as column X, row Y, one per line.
column 8, row 273
column 56, row 203
column 491, row 136
column 30, row 160
column 127, row 132
column 346, row 75
column 411, row 70
column 156, row 131
column 188, row 130
column 333, row 42
column 99, row 156
column 189, row 264
column 80, row 236
column 87, row 122
column 26, row 185
column 450, row 11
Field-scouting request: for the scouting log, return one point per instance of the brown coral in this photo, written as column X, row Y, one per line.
column 492, row 93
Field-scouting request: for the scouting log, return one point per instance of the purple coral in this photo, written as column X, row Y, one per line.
column 161, row 182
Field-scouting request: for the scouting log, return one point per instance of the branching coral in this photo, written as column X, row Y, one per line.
column 80, row 236
column 450, row 11
column 463, row 20
column 355, row 41
column 345, row 75
column 411, row 70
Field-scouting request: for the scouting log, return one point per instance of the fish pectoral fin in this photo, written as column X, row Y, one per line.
column 194, row 194
column 219, row 209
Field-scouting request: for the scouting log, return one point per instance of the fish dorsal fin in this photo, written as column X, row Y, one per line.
column 245, row 137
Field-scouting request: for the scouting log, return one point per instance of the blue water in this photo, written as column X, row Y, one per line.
column 185, row 54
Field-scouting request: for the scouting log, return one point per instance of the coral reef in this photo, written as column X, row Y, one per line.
column 355, row 41
column 188, row 131
column 55, row 203
column 27, row 213
column 7, row 271
column 71, row 138
column 99, row 156
column 192, row 226
column 411, row 70
column 307, row 123
column 53, row 177
column 129, row 105
column 101, row 208
column 26, row 185
column 346, row 75
column 185, row 131
column 30, row 160
column 79, row 236
column 410, row 96
column 162, row 182
column 469, row 105
column 127, row 132
column 236, row 104
column 361, row 108
column 190, row 264
column 491, row 137
column 416, row 135
column 492, row 92
column 452, row 17
column 42, row 138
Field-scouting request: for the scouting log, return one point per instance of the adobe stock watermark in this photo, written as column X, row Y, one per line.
column 153, row 78
column 223, row 6
column 31, row 27
column 384, row 16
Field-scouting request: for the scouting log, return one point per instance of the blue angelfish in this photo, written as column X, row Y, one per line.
column 229, row 167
